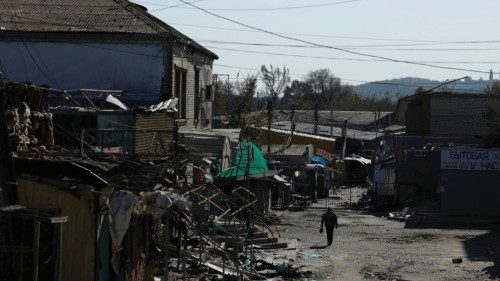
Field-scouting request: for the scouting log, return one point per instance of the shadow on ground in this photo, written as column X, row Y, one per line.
column 318, row 247
column 485, row 247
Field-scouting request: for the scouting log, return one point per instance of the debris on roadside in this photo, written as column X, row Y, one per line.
column 403, row 215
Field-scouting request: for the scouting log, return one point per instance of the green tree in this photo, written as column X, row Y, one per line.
column 223, row 91
column 494, row 89
column 242, row 105
column 492, row 135
column 325, row 87
column 295, row 96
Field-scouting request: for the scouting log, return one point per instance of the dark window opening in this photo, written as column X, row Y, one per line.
column 196, row 94
column 180, row 91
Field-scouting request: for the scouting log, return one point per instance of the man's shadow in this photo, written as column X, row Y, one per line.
column 318, row 247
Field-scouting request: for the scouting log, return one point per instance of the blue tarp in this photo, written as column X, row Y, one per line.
column 316, row 159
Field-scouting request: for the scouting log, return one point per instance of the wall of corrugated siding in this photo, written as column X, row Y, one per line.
column 156, row 121
column 281, row 137
column 77, row 244
column 384, row 178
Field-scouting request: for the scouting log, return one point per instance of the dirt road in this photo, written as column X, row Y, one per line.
column 368, row 247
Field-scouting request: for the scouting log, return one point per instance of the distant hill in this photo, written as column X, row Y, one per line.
column 407, row 86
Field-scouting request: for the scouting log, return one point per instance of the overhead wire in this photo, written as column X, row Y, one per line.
column 342, row 58
column 273, row 8
column 313, row 45
column 329, row 36
column 173, row 6
column 332, row 47
column 48, row 77
column 366, row 46
column 269, row 53
column 415, row 85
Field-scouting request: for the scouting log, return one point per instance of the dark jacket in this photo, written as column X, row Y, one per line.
column 329, row 219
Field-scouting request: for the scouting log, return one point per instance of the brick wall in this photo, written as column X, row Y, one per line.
column 148, row 142
column 187, row 60
column 460, row 114
column 417, row 116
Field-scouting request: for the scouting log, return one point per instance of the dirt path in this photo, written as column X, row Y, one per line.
column 367, row 247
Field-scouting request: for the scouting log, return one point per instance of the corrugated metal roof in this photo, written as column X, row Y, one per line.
column 71, row 15
column 352, row 117
column 361, row 118
column 92, row 16
column 292, row 150
column 325, row 131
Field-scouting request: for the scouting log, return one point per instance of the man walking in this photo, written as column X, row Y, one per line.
column 329, row 219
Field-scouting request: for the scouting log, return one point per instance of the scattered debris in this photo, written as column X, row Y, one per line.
column 400, row 216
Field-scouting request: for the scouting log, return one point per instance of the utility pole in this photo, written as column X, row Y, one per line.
column 331, row 121
column 316, row 118
column 269, row 121
column 217, row 94
column 377, row 122
column 8, row 179
column 331, row 113
column 344, row 138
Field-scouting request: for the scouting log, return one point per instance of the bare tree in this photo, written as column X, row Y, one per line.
column 275, row 81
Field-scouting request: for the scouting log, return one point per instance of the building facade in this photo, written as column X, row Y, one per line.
column 446, row 114
column 106, row 44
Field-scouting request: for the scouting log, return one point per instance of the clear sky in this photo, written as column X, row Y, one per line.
column 424, row 28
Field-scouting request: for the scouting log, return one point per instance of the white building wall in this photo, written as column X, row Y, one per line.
column 185, row 59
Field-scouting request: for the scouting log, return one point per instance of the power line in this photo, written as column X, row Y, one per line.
column 267, row 9
column 173, row 6
column 415, row 85
column 38, row 66
column 295, row 74
column 342, row 59
column 334, row 48
column 327, row 36
column 369, row 46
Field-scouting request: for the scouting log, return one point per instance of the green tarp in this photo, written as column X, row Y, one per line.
column 248, row 157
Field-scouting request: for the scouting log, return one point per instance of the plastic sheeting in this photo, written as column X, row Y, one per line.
column 116, row 102
column 120, row 211
column 361, row 160
column 162, row 201
column 249, row 159
column 168, row 105
column 316, row 159
column 136, row 69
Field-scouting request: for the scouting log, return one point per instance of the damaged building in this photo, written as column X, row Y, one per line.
column 118, row 203
column 107, row 44
column 448, row 155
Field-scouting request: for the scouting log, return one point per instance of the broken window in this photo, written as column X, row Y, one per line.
column 180, row 91
column 196, row 93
